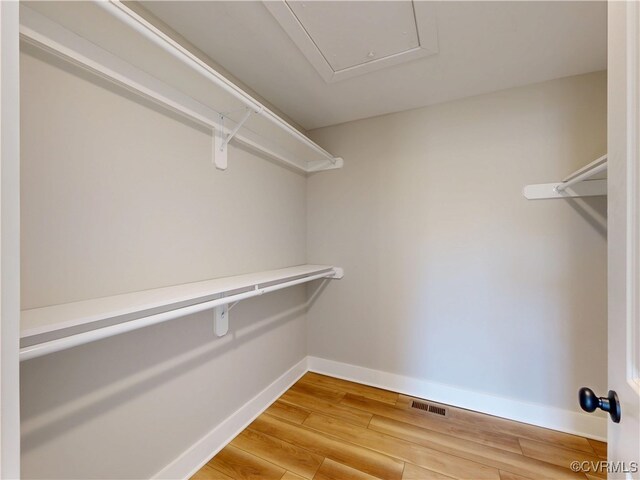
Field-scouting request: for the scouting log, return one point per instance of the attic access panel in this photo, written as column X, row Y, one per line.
column 345, row 39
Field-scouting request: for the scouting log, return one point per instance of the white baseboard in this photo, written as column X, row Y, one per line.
column 577, row 423
column 201, row 452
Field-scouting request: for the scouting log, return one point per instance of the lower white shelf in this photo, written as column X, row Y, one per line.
column 50, row 329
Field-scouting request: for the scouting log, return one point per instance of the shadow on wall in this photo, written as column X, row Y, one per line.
column 124, row 367
column 593, row 210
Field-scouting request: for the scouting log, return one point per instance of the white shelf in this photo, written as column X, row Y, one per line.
column 110, row 40
column 588, row 181
column 40, row 325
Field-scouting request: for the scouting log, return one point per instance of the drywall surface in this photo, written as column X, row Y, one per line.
column 117, row 196
column 451, row 275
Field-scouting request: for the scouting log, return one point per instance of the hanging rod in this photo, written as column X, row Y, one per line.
column 135, row 21
column 582, row 177
column 64, row 343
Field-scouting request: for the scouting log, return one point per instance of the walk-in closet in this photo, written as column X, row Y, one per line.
column 321, row 240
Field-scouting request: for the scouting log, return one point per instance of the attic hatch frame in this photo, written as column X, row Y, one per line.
column 424, row 22
column 42, row 32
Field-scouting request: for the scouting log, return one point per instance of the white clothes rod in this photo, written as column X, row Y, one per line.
column 45, row 33
column 64, row 343
column 582, row 177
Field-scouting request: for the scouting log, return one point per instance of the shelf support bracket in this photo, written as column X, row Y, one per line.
column 221, row 312
column 221, row 140
column 219, row 153
column 221, row 320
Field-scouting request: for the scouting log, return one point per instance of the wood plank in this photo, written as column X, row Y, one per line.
column 209, row 473
column 599, row 447
column 413, row 472
column 333, row 396
column 523, row 430
column 288, row 412
column 365, row 460
column 490, row 456
column 313, row 404
column 407, row 451
column 429, row 421
column 349, row 387
column 557, row 455
column 511, row 476
column 291, row 476
column 330, row 470
column 241, row 465
column 280, row 453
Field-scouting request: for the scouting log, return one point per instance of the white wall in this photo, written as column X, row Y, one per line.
column 118, row 196
column 452, row 276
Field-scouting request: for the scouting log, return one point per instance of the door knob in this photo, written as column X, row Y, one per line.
column 589, row 402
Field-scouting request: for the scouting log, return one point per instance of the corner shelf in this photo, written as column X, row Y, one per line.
column 50, row 329
column 132, row 53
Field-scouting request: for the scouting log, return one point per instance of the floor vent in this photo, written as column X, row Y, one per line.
column 435, row 409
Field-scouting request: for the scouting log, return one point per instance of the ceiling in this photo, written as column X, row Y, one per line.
column 342, row 39
column 480, row 47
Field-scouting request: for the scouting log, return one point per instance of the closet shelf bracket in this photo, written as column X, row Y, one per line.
column 222, row 139
column 221, row 320
column 221, row 310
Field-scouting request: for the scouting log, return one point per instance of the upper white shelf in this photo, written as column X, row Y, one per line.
column 62, row 326
column 588, row 181
column 110, row 40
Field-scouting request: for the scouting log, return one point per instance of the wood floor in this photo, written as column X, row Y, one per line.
column 323, row 428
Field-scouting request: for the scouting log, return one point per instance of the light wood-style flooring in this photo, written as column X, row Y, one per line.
column 324, row 428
